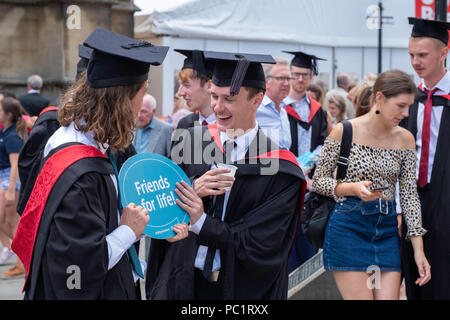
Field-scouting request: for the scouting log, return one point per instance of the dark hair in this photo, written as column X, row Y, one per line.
column 7, row 94
column 13, row 107
column 362, row 101
column 317, row 89
column 253, row 92
column 392, row 83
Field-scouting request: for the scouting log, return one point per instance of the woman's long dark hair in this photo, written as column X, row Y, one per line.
column 12, row 106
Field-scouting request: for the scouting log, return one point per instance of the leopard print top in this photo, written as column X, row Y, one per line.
column 381, row 166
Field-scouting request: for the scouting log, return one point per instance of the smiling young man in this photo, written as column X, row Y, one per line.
column 429, row 122
column 240, row 238
column 195, row 88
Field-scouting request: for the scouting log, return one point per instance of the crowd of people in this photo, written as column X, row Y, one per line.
column 255, row 112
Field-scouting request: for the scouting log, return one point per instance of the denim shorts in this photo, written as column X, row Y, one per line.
column 4, row 176
column 359, row 235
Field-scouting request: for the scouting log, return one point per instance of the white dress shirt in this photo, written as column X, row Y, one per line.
column 242, row 144
column 210, row 119
column 436, row 114
column 121, row 238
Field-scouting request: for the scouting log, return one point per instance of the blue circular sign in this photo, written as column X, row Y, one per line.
column 148, row 180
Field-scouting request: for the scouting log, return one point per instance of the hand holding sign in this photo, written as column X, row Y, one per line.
column 135, row 217
column 149, row 180
column 190, row 201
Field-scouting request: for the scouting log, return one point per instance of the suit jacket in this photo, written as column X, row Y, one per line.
column 34, row 103
column 160, row 138
column 188, row 121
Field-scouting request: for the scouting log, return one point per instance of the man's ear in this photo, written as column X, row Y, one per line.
column 444, row 52
column 208, row 85
column 256, row 100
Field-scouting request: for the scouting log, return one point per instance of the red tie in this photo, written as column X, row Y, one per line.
column 204, row 123
column 423, row 166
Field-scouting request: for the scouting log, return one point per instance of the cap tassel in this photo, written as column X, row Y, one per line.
column 314, row 66
column 239, row 75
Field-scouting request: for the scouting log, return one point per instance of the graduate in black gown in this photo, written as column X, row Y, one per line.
column 240, row 239
column 429, row 122
column 308, row 123
column 75, row 240
column 195, row 86
column 46, row 124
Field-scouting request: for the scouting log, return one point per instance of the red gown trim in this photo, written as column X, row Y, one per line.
column 315, row 106
column 25, row 237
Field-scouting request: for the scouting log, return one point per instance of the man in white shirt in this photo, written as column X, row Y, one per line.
column 429, row 122
column 271, row 116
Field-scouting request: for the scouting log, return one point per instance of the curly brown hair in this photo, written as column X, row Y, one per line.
column 107, row 112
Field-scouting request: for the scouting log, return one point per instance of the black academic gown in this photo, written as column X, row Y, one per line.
column 30, row 156
column 303, row 249
column 318, row 124
column 435, row 216
column 31, row 153
column 260, row 223
column 80, row 211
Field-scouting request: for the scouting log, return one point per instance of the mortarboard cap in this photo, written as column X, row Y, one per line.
column 429, row 28
column 118, row 60
column 238, row 69
column 304, row 60
column 196, row 60
column 85, row 54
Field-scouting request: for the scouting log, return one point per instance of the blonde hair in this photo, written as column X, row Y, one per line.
column 107, row 112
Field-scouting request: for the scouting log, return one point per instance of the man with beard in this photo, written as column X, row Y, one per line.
column 308, row 123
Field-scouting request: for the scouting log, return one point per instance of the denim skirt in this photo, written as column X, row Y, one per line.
column 362, row 235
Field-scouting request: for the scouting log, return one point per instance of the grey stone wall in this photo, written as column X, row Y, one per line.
column 35, row 38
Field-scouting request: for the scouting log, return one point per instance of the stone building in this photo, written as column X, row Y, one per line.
column 42, row 37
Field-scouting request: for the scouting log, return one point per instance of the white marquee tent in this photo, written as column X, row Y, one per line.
column 332, row 29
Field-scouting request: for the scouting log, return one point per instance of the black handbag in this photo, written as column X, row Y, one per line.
column 316, row 207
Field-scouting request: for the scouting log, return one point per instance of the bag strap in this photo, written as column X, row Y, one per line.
column 346, row 145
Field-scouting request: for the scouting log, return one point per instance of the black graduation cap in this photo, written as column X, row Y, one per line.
column 238, row 69
column 304, row 60
column 118, row 60
column 429, row 28
column 195, row 60
column 85, row 54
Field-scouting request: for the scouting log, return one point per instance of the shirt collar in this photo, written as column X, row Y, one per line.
column 266, row 101
column 288, row 100
column 243, row 141
column 210, row 119
column 33, row 91
column 151, row 124
column 443, row 85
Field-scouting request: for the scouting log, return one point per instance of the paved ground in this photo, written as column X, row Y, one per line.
column 12, row 289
